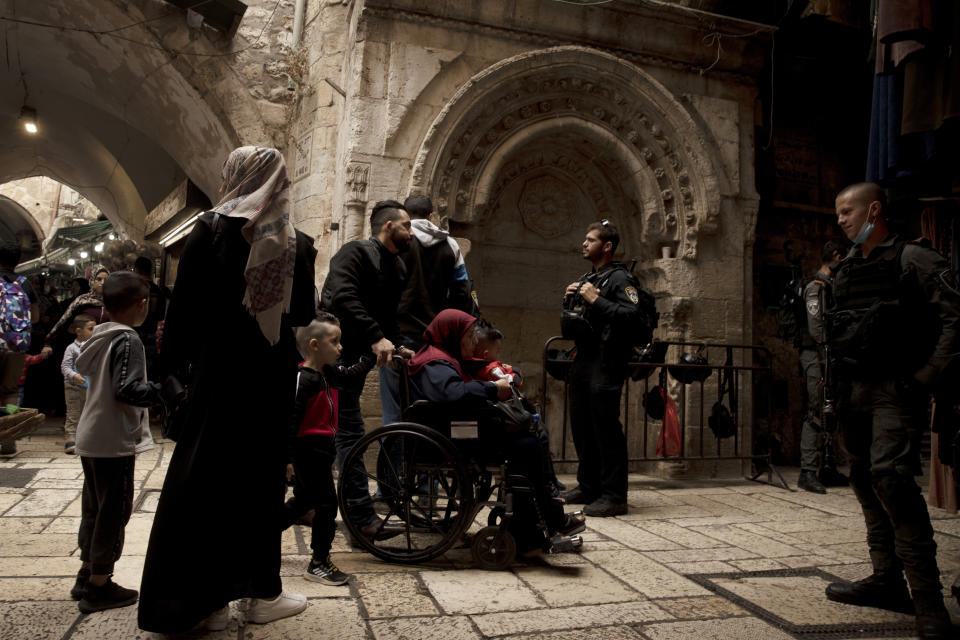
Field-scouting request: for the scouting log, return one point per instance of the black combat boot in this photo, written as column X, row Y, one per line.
column 933, row 621
column 808, row 482
column 883, row 591
column 830, row 477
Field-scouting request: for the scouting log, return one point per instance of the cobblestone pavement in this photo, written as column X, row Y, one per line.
column 692, row 559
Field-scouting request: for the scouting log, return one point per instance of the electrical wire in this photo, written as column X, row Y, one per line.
column 172, row 52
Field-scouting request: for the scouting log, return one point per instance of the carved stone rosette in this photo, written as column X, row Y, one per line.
column 669, row 168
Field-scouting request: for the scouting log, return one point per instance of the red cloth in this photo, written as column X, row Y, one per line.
column 29, row 362
column 442, row 340
column 495, row 370
column 320, row 418
column 669, row 445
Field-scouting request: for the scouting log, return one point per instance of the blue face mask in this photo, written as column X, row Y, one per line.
column 864, row 233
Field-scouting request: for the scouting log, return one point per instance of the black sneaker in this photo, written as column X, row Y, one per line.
column 80, row 586
column 605, row 508
column 325, row 572
column 577, row 496
column 109, row 596
column 69, row 448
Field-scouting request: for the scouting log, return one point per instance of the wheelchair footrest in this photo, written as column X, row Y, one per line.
column 565, row 544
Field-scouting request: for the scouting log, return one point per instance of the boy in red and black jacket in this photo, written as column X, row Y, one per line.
column 312, row 431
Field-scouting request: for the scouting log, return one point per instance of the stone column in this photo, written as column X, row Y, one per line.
column 355, row 207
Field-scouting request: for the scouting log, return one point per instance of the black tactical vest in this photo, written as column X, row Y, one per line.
column 876, row 320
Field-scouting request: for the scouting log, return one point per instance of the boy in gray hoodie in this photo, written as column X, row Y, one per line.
column 112, row 429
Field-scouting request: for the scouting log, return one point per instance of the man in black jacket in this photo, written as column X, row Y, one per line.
column 609, row 299
column 363, row 290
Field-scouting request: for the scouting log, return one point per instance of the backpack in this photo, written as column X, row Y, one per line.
column 14, row 316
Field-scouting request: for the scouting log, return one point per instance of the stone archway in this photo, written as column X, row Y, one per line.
column 647, row 133
column 534, row 148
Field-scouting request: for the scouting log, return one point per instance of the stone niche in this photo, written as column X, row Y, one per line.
column 534, row 148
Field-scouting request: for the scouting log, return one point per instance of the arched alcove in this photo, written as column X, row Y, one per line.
column 17, row 225
column 648, row 135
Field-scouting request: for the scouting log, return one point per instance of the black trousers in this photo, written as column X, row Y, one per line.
column 525, row 458
column 349, row 430
column 882, row 427
column 595, row 387
column 106, row 505
column 313, row 458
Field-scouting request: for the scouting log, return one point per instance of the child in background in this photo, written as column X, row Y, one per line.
column 74, row 384
column 28, row 362
column 313, row 428
column 113, row 427
column 486, row 365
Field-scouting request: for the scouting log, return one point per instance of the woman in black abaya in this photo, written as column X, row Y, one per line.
column 245, row 279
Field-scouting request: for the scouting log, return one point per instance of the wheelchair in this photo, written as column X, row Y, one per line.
column 435, row 471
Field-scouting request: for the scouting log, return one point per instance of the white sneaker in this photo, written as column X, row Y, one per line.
column 218, row 620
column 262, row 610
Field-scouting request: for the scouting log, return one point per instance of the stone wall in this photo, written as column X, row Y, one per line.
column 526, row 122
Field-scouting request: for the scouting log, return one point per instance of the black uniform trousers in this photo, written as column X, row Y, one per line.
column 882, row 427
column 105, row 507
column 595, row 387
column 313, row 458
column 349, row 431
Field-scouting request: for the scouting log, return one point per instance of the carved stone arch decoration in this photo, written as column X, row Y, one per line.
column 676, row 180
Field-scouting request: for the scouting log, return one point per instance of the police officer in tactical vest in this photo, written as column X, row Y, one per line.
column 893, row 327
column 816, row 471
column 601, row 309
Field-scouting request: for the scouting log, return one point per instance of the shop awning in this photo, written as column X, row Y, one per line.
column 80, row 234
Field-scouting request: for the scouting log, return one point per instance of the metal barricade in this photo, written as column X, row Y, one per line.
column 749, row 374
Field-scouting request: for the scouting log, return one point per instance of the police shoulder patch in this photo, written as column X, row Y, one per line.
column 632, row 294
column 813, row 307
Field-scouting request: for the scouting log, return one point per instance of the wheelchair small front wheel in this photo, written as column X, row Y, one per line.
column 493, row 548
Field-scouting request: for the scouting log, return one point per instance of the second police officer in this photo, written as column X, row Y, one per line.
column 893, row 328
column 603, row 311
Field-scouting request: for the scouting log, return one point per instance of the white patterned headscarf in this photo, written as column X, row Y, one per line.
column 255, row 187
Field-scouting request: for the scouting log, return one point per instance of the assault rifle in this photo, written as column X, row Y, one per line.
column 828, row 407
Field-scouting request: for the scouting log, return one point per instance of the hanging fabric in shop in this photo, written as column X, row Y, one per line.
column 915, row 68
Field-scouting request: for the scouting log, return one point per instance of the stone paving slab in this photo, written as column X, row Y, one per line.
column 700, row 608
column 391, row 595
column 36, row 620
column 601, row 633
column 646, row 576
column 739, row 628
column 43, row 502
column 593, row 585
column 425, row 628
column 588, row 617
column 477, row 591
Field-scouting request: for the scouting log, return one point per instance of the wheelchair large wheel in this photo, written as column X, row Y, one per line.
column 420, row 489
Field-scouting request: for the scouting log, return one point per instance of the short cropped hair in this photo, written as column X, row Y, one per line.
column 143, row 265
column 418, row 206
column 81, row 319
column 608, row 233
column 384, row 211
column 866, row 192
column 9, row 254
column 318, row 328
column 122, row 290
column 830, row 248
column 486, row 331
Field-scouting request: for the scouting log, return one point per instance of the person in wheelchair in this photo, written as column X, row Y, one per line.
column 436, row 375
column 486, row 365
